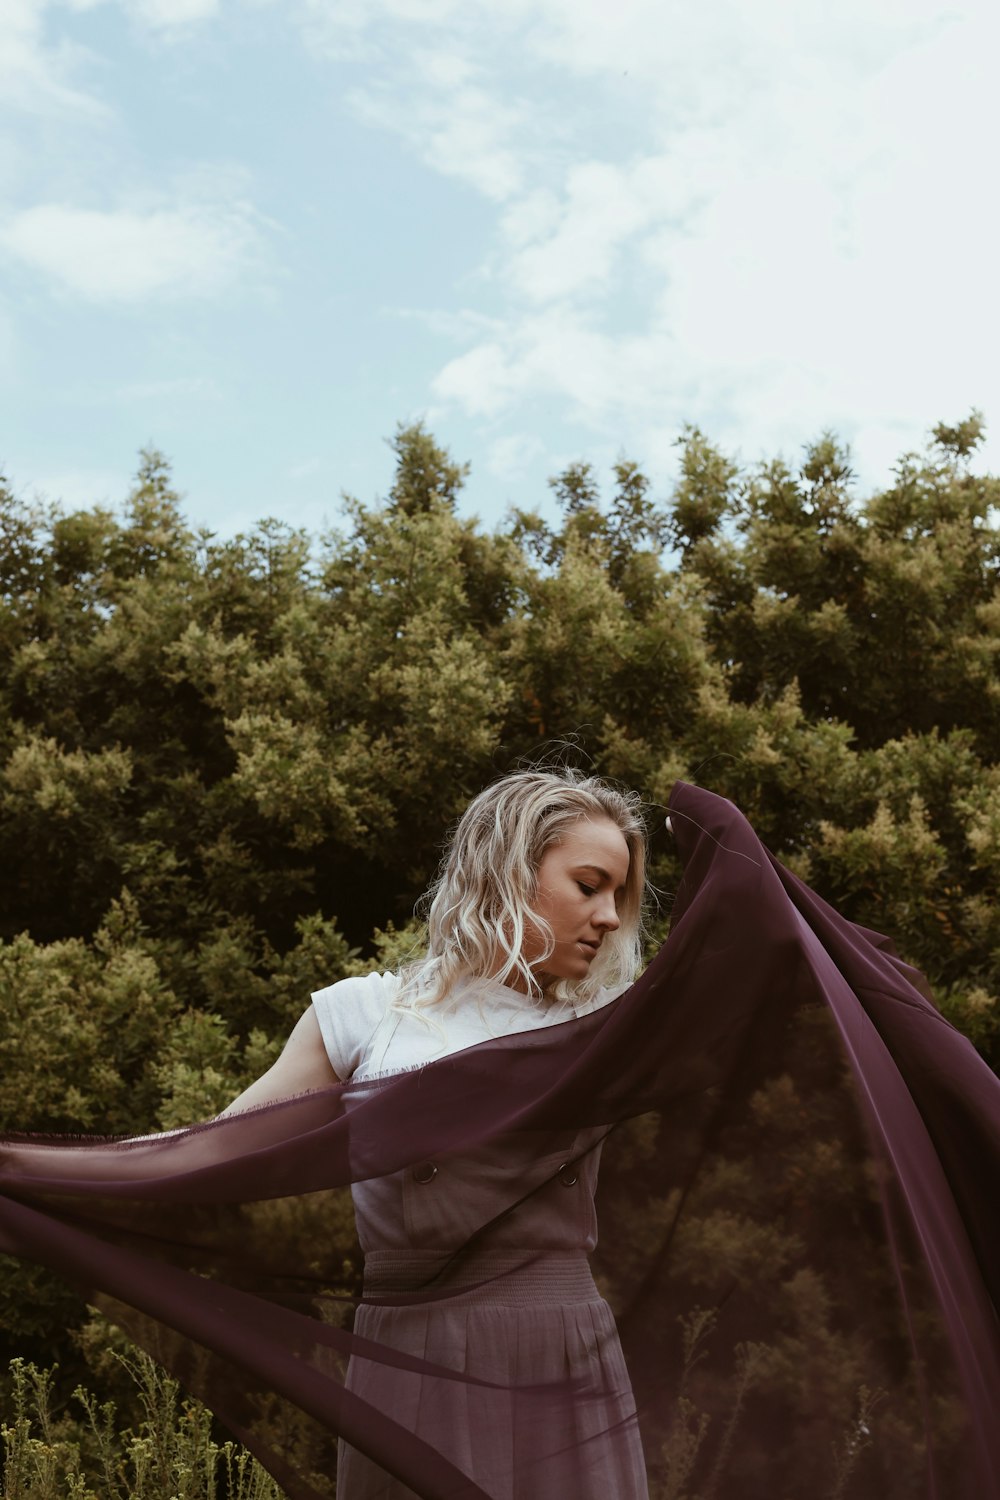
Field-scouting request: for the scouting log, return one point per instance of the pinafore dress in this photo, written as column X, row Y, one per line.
column 546, row 1408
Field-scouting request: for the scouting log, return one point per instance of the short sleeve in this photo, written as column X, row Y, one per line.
column 349, row 1013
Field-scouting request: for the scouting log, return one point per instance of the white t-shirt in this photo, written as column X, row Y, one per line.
column 365, row 1039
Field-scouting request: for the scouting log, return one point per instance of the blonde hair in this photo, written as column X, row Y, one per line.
column 480, row 906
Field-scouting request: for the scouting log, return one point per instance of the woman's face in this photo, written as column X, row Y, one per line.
column 579, row 885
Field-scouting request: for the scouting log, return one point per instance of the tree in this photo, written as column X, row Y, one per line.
column 225, row 765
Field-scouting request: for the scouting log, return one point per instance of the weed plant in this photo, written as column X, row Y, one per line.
column 86, row 1455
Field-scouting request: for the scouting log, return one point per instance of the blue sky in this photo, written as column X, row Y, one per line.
column 259, row 235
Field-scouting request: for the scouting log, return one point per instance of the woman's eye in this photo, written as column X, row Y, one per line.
column 588, row 890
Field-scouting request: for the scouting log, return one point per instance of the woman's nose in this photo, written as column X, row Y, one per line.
column 607, row 915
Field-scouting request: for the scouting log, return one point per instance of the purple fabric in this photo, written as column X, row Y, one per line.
column 798, row 1212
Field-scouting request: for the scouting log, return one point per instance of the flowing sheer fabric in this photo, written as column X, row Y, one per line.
column 798, row 1235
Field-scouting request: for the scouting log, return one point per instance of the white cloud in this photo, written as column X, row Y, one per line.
column 452, row 118
column 703, row 62
column 768, row 219
column 166, row 15
column 461, row 326
column 183, row 387
column 157, row 15
column 482, row 382
column 127, row 255
column 603, row 377
column 511, row 456
column 350, row 28
column 36, row 77
column 602, row 211
column 806, row 240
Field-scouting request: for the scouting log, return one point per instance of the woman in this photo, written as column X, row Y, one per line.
column 535, row 920
column 799, row 1223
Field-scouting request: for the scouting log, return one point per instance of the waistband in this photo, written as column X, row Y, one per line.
column 522, row 1278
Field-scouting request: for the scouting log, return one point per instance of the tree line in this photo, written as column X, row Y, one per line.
column 227, row 768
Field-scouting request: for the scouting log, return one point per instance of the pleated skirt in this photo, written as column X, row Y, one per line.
column 554, row 1415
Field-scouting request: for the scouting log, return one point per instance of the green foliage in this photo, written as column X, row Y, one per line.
column 785, row 1329
column 86, row 1454
column 227, row 768
column 80, row 1023
column 238, row 738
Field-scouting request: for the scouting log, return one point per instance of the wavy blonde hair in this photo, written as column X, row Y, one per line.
column 480, row 907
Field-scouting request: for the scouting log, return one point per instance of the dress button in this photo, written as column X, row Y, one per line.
column 425, row 1173
column 567, row 1174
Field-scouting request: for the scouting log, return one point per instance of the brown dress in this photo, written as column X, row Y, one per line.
column 554, row 1414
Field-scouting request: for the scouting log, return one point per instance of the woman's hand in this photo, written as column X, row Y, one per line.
column 302, row 1066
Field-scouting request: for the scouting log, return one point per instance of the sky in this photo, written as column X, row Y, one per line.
column 260, row 234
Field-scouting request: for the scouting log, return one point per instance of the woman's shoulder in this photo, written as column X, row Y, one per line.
column 360, row 988
column 349, row 1012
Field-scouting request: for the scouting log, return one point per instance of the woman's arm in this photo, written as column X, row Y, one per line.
column 302, row 1066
